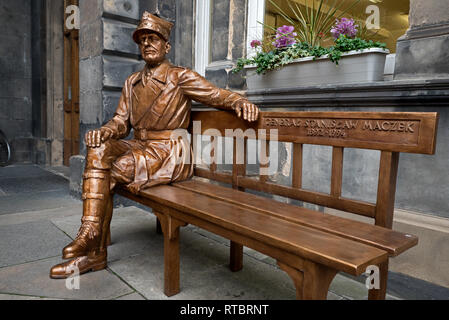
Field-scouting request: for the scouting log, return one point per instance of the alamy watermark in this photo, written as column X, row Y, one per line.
column 73, row 19
column 373, row 279
column 73, row 281
column 373, row 20
column 266, row 154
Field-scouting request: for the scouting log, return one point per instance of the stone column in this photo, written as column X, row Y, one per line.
column 423, row 52
column 227, row 42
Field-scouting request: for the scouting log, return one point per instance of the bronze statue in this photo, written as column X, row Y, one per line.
column 154, row 102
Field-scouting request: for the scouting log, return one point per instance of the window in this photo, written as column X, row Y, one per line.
column 256, row 12
column 385, row 20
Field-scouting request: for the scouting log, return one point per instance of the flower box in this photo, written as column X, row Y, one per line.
column 354, row 67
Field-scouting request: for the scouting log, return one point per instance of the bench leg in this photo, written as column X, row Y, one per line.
column 236, row 257
column 312, row 283
column 170, row 228
column 381, row 293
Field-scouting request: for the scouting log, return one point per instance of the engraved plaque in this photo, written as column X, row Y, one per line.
column 413, row 132
column 370, row 130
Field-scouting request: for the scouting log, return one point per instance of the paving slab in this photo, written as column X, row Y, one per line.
column 132, row 296
column 133, row 232
column 30, row 241
column 246, row 251
column 68, row 209
column 62, row 171
column 22, row 297
column 21, row 171
column 45, row 182
column 33, row 279
column 348, row 288
column 34, row 201
column 205, row 273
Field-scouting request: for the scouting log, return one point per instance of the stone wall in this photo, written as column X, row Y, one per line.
column 16, row 77
column 228, row 39
column 23, row 84
column 423, row 52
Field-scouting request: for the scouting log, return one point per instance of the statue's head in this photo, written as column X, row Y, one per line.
column 152, row 35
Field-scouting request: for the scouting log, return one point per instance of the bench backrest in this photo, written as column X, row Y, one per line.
column 388, row 132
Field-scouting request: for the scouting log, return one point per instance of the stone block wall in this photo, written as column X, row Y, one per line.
column 228, row 38
column 16, row 77
column 423, row 52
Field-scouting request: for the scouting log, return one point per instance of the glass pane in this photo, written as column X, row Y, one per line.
column 384, row 20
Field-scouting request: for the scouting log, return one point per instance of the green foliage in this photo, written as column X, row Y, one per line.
column 275, row 59
column 345, row 44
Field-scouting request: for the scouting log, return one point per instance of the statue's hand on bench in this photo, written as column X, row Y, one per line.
column 249, row 111
column 94, row 138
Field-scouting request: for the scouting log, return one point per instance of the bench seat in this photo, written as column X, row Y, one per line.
column 289, row 234
column 392, row 242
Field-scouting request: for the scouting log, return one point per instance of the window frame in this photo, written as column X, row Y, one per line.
column 202, row 35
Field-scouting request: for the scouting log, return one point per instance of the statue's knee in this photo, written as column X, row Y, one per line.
column 99, row 153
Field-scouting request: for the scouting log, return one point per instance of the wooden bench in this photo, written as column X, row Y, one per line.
column 309, row 245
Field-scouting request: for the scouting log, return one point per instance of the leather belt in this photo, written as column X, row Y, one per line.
column 144, row 134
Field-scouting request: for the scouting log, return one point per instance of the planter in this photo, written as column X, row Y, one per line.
column 354, row 67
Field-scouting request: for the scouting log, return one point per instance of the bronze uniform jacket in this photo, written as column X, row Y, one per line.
column 160, row 99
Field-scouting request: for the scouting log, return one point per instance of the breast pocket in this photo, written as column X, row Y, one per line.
column 164, row 100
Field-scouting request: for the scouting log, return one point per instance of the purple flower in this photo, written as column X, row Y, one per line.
column 344, row 27
column 255, row 43
column 284, row 37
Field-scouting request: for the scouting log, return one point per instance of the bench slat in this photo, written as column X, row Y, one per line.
column 391, row 241
column 337, row 171
column 360, row 207
column 322, row 247
column 297, row 165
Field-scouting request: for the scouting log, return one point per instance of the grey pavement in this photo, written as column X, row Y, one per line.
column 38, row 217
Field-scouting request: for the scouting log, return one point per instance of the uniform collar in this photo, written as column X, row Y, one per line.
column 158, row 73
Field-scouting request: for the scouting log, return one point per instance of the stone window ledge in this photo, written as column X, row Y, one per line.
column 421, row 92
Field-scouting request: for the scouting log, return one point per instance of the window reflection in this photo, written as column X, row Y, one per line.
column 383, row 20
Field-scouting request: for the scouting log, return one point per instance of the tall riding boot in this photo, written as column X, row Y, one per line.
column 89, row 247
column 96, row 206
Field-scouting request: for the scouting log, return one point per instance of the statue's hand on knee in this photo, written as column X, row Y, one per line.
column 94, row 138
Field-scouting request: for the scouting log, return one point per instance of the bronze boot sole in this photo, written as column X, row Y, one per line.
column 84, row 265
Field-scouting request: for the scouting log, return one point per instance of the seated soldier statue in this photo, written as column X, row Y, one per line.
column 154, row 102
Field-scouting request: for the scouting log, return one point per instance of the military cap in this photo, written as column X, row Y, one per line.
column 151, row 22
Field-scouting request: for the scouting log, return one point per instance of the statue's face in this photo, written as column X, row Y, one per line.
column 153, row 47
